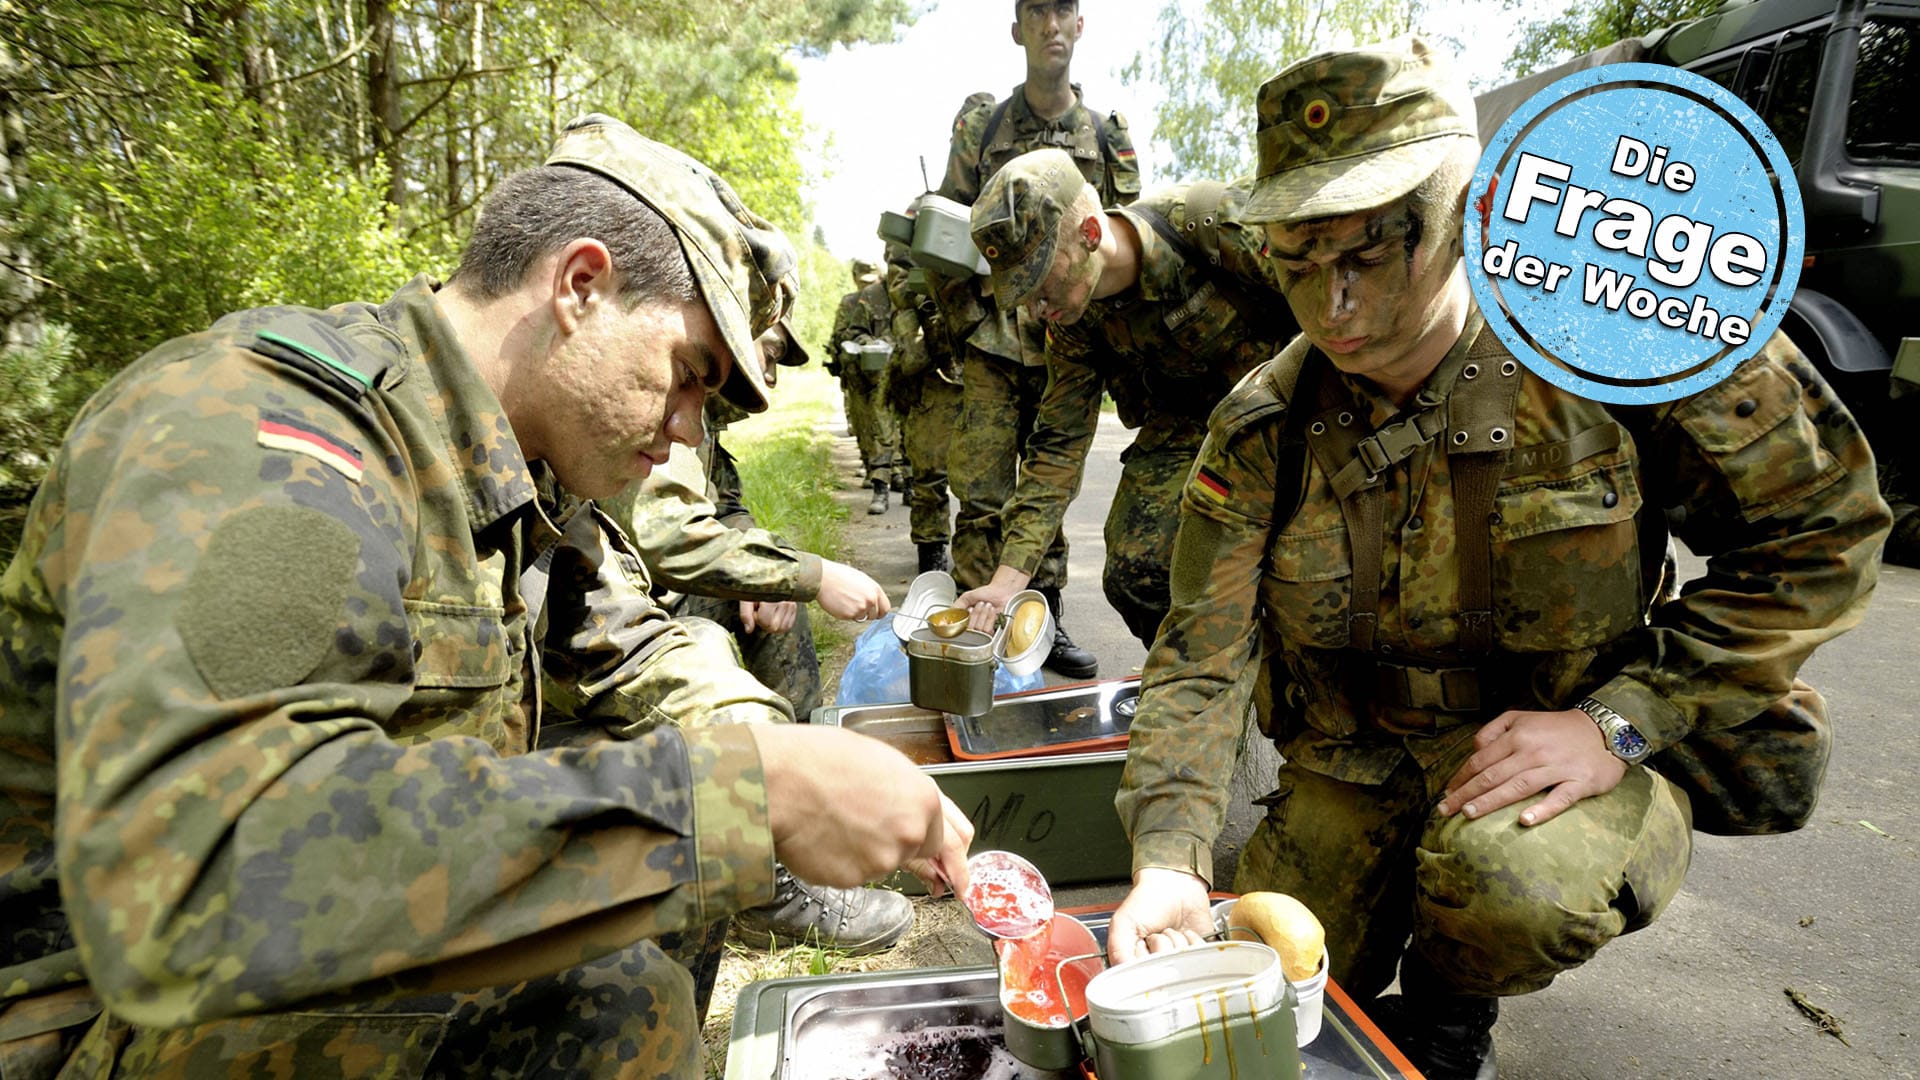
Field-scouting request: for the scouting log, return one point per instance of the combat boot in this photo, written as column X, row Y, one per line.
column 933, row 556
column 854, row 921
column 1067, row 658
column 879, row 503
column 1448, row 1035
column 899, row 482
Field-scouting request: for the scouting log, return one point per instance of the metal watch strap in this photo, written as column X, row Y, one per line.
column 1610, row 724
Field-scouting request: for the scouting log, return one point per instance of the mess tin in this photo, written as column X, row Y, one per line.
column 1218, row 1011
column 1043, row 994
column 954, row 673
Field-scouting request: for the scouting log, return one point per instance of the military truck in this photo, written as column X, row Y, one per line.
column 1839, row 85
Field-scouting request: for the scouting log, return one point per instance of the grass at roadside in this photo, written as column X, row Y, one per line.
column 787, row 472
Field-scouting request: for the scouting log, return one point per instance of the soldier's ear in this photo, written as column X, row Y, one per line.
column 583, row 275
column 1091, row 228
column 1017, row 39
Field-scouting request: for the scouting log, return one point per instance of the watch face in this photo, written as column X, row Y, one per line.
column 1628, row 743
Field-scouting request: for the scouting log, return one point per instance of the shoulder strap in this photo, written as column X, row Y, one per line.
column 1203, row 216
column 303, row 340
column 993, row 124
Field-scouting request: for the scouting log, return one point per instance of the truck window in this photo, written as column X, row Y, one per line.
column 1790, row 94
column 1882, row 123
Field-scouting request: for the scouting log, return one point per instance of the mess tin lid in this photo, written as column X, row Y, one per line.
column 929, row 593
column 1027, row 660
column 1158, row 996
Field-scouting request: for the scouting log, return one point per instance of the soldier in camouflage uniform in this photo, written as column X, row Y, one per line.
column 1440, row 576
column 864, row 321
column 296, row 606
column 709, row 560
column 1141, row 308
column 1003, row 359
column 923, row 389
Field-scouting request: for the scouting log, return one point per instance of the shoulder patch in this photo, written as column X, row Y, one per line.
column 283, row 431
column 262, row 604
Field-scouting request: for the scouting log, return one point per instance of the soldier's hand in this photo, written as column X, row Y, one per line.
column 989, row 601
column 1519, row 754
column 948, row 869
column 1166, row 910
column 768, row 617
column 847, row 593
column 846, row 809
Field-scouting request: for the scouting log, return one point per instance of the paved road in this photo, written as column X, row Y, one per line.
column 1828, row 912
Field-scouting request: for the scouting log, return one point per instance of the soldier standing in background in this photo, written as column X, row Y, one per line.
column 865, row 321
column 1004, row 352
column 1499, row 727
column 923, row 389
column 1145, row 308
column 274, row 778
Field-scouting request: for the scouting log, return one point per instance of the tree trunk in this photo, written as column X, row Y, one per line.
column 19, row 322
column 383, row 95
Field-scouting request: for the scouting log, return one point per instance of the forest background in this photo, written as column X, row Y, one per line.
column 168, row 162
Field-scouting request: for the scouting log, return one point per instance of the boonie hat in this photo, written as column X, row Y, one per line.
column 1016, row 220
column 737, row 258
column 1341, row 132
column 795, row 354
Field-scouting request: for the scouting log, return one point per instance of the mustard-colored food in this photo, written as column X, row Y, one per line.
column 1024, row 627
column 1287, row 927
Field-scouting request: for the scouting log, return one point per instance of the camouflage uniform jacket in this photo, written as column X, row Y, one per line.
column 278, row 637
column 690, row 545
column 1167, row 349
column 865, row 314
column 1764, row 474
column 1102, row 148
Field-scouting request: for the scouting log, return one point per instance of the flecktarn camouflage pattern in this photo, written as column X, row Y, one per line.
column 1780, row 495
column 289, row 615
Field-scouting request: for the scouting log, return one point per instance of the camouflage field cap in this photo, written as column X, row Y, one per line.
column 1016, row 220
column 793, row 354
column 737, row 258
column 1346, row 131
column 865, row 271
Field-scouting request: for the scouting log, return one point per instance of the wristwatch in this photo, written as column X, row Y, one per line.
column 1622, row 737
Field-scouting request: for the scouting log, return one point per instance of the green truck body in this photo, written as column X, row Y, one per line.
column 1839, row 85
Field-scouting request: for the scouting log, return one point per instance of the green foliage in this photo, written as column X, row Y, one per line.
column 1211, row 63
column 176, row 162
column 1584, row 27
column 204, row 222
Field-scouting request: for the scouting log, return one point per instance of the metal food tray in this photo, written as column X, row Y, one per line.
column 1052, row 720
column 809, row 1027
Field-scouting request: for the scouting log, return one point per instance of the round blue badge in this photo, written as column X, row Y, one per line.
column 1628, row 235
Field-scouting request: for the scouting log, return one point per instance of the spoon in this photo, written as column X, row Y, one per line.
column 1007, row 896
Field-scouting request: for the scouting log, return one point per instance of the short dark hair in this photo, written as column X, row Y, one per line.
column 1017, row 3
column 541, row 210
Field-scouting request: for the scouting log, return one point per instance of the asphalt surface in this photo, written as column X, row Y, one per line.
column 1826, row 913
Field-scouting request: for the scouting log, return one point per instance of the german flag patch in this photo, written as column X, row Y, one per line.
column 1125, row 153
column 1208, row 483
column 279, row 431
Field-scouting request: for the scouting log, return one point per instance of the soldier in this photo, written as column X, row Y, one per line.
column 923, row 389
column 1004, row 352
column 1451, row 569
column 1144, row 310
column 709, row 560
column 298, row 599
column 865, row 322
